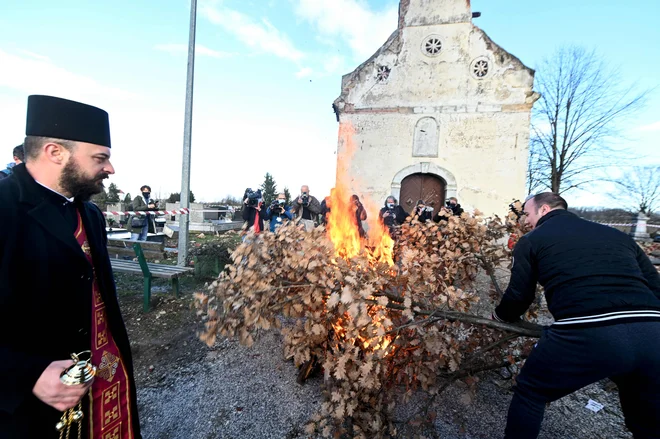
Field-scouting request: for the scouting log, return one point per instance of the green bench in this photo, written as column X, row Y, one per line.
column 149, row 271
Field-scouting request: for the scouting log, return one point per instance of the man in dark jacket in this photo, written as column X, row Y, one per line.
column 423, row 212
column 306, row 207
column 19, row 157
column 360, row 215
column 392, row 215
column 452, row 208
column 139, row 225
column 57, row 292
column 604, row 294
column 253, row 211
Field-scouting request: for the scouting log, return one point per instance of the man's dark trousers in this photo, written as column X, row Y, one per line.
column 569, row 358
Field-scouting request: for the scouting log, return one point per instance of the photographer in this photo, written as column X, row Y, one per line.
column 451, row 209
column 138, row 225
column 423, row 212
column 306, row 207
column 360, row 215
column 326, row 206
column 252, row 214
column 278, row 212
column 392, row 215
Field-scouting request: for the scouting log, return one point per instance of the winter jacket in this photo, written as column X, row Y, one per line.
column 277, row 219
column 592, row 274
column 360, row 215
column 250, row 214
column 424, row 215
column 7, row 172
column 456, row 210
column 308, row 212
column 140, row 205
column 398, row 218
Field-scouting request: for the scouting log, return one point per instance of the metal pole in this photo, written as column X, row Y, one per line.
column 184, row 220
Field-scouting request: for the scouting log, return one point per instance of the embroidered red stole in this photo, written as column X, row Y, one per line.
column 109, row 414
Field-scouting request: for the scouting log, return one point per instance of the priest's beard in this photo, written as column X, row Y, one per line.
column 80, row 186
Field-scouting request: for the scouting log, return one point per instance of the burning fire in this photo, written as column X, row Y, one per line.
column 343, row 229
column 342, row 222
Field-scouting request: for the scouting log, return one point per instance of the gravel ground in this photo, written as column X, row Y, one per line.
column 235, row 392
column 238, row 392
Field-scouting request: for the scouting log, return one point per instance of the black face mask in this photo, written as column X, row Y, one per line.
column 146, row 195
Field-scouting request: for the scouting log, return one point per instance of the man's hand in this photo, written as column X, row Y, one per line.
column 152, row 206
column 386, row 214
column 50, row 390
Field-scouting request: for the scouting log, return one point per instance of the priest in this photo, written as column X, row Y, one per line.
column 57, row 292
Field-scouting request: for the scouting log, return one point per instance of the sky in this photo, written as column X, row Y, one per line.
column 266, row 74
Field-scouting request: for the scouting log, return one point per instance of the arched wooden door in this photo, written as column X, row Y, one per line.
column 427, row 187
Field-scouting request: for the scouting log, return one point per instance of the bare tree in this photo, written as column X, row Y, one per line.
column 580, row 112
column 640, row 189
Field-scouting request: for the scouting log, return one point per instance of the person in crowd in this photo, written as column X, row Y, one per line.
column 423, row 212
column 360, row 215
column 19, row 157
column 306, row 207
column 278, row 212
column 140, row 225
column 57, row 291
column 253, row 213
column 452, row 208
column 392, row 215
column 326, row 206
column 604, row 295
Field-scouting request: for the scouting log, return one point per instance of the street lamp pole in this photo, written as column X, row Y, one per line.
column 184, row 220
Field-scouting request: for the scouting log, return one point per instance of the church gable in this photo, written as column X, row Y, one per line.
column 437, row 61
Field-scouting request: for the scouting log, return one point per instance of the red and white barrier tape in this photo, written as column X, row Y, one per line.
column 657, row 226
column 165, row 212
column 151, row 212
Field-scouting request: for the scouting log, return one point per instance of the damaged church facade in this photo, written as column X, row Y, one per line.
column 438, row 111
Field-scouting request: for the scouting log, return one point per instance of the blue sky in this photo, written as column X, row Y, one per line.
column 267, row 72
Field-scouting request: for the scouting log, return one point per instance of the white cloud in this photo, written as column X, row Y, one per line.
column 304, row 72
column 199, row 50
column 651, row 127
column 34, row 55
column 147, row 133
column 361, row 28
column 41, row 76
column 258, row 35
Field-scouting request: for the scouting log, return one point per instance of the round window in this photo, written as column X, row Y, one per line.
column 432, row 45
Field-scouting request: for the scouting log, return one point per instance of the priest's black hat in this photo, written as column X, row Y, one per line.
column 48, row 116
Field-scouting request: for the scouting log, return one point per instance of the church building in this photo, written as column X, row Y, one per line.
column 438, row 111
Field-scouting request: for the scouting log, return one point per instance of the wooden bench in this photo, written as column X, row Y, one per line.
column 149, row 271
column 118, row 248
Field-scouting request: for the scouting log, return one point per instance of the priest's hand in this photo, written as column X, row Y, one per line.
column 50, row 390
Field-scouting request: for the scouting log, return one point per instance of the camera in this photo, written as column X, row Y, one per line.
column 275, row 206
column 305, row 198
column 448, row 203
column 253, row 197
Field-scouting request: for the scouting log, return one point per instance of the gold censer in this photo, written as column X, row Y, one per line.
column 82, row 372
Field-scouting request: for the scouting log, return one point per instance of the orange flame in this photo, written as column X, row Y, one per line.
column 342, row 222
